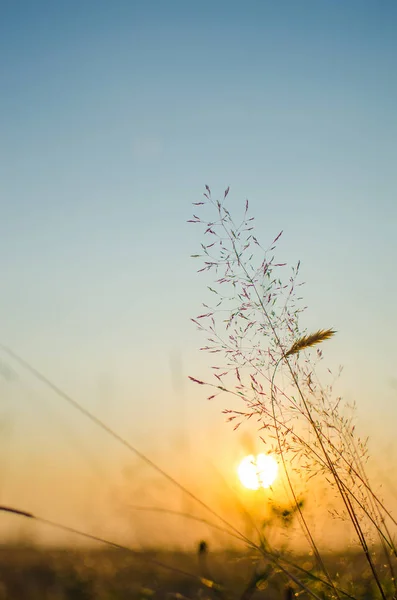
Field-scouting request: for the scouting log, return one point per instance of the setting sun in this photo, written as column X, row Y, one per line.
column 257, row 471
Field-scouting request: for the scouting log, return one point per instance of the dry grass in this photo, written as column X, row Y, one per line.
column 251, row 318
column 307, row 341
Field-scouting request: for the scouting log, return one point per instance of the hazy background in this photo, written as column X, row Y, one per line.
column 113, row 116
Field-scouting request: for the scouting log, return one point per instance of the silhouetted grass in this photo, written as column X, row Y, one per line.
column 253, row 328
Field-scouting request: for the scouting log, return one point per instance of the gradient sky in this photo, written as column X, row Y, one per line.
column 113, row 116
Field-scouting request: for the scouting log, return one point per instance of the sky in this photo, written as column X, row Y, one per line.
column 113, row 117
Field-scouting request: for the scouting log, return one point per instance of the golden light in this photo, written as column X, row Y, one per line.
column 257, row 471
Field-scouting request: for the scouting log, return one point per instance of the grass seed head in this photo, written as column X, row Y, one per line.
column 307, row 341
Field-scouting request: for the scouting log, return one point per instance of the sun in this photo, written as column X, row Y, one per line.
column 257, row 471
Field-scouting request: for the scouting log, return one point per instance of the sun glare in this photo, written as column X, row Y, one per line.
column 257, row 471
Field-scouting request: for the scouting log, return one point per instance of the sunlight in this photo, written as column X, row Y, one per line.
column 260, row 471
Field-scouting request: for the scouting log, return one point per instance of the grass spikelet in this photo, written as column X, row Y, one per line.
column 307, row 341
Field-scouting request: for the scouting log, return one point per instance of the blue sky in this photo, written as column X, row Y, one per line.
column 113, row 116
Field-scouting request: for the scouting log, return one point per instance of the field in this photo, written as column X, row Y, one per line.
column 112, row 574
